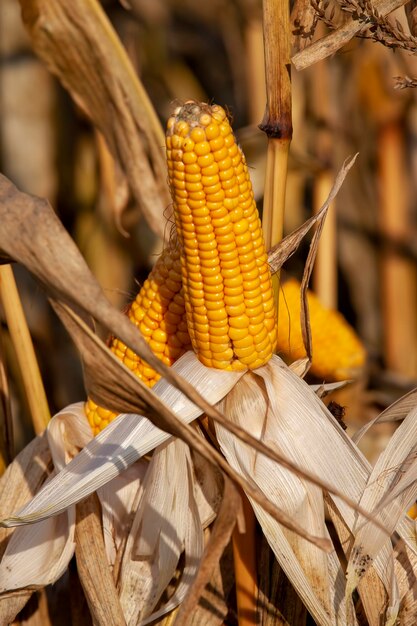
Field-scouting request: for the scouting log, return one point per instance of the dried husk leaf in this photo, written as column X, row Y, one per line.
column 208, row 489
column 79, row 45
column 395, row 412
column 118, row 500
column 392, row 478
column 405, row 569
column 21, row 480
column 371, row 590
column 313, row 573
column 167, row 522
column 39, row 555
column 125, row 440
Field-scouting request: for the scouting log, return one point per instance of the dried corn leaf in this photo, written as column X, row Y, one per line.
column 79, row 45
column 405, row 569
column 39, row 555
column 119, row 500
column 371, row 590
column 391, row 485
column 22, row 479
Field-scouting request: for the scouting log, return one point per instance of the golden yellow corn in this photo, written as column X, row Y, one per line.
column 159, row 313
column 337, row 351
column 216, row 296
column 226, row 279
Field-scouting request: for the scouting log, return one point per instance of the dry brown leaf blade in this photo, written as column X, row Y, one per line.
column 79, row 45
column 289, row 245
column 305, row 318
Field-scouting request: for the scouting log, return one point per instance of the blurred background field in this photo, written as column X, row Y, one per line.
column 213, row 52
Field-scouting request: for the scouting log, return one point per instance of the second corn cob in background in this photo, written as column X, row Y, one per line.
column 338, row 354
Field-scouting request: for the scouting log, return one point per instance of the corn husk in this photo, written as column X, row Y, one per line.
column 289, row 416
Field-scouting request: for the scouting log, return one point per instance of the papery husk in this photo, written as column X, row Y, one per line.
column 208, row 488
column 21, row 480
column 119, row 500
column 405, row 570
column 307, row 567
column 39, row 555
column 300, row 426
column 220, row 537
column 167, row 522
column 397, row 411
column 392, row 478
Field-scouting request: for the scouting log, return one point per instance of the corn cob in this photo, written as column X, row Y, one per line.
column 337, row 351
column 225, row 274
column 159, row 313
column 219, row 288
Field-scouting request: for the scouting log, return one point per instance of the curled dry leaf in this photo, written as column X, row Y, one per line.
column 166, row 524
column 19, row 483
column 78, row 44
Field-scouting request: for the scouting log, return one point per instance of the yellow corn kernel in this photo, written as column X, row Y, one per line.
column 337, row 351
column 158, row 311
column 223, row 253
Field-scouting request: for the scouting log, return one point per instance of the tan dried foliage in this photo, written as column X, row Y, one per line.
column 78, row 44
column 331, row 43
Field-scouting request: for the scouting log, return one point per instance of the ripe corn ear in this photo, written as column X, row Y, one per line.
column 225, row 274
column 337, row 351
column 159, row 313
column 212, row 290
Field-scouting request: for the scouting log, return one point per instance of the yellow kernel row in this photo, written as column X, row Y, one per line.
column 219, row 230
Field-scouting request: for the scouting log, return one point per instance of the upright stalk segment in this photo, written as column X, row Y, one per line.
column 276, row 122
